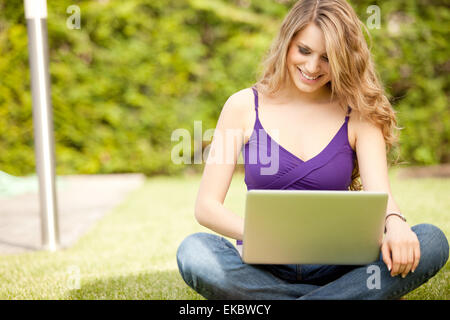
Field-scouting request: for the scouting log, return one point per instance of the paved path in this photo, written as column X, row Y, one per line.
column 82, row 200
column 434, row 171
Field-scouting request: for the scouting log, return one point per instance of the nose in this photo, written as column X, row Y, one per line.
column 313, row 65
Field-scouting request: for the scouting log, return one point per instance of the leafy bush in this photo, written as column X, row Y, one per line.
column 137, row 70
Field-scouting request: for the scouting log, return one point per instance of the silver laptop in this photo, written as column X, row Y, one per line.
column 313, row 227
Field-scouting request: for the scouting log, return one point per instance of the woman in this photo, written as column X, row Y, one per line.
column 321, row 106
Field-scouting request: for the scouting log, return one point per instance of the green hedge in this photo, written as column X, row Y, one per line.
column 138, row 70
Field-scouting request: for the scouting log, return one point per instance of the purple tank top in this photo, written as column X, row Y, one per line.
column 269, row 166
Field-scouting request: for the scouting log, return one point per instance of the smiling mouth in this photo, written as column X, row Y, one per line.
column 308, row 77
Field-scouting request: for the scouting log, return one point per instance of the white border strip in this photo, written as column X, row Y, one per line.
column 35, row 9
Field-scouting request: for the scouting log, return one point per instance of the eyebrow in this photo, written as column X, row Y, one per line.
column 301, row 43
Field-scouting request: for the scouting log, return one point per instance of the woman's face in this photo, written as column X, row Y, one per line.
column 307, row 60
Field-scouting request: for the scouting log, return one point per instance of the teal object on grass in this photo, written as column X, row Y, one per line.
column 11, row 185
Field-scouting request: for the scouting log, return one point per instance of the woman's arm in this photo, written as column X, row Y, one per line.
column 400, row 248
column 224, row 152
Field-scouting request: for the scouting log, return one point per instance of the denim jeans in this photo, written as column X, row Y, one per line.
column 213, row 267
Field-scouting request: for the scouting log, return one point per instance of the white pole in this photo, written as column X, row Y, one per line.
column 36, row 16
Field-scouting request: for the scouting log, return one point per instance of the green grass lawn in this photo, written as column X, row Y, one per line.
column 130, row 253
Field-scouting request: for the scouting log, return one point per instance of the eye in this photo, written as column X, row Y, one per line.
column 303, row 50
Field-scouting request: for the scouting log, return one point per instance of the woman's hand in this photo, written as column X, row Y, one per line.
column 400, row 247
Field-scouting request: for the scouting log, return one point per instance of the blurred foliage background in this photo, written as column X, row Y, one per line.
column 137, row 70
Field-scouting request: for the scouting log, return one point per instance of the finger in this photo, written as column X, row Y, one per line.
column 396, row 258
column 403, row 260
column 409, row 261
column 386, row 253
column 416, row 257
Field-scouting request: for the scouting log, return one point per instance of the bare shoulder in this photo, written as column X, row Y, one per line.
column 241, row 100
column 362, row 126
column 240, row 106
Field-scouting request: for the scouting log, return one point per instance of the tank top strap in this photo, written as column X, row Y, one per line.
column 255, row 93
column 349, row 110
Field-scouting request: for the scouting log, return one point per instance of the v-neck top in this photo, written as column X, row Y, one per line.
column 268, row 165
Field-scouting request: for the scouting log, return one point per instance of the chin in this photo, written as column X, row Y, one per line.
column 307, row 88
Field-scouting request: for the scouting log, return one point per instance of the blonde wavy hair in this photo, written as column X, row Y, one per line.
column 354, row 80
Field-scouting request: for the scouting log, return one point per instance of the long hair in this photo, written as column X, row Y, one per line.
column 354, row 80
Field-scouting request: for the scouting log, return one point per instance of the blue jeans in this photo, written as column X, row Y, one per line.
column 212, row 266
